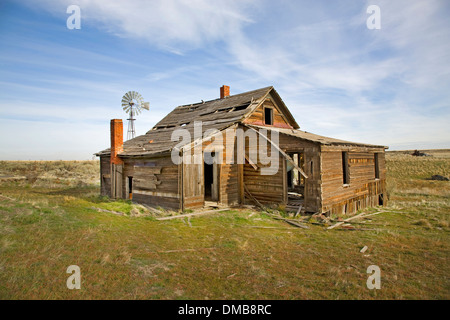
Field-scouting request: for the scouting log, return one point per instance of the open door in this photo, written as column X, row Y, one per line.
column 130, row 188
column 211, row 179
column 192, row 181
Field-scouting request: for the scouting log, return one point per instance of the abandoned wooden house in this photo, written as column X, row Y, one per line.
column 316, row 173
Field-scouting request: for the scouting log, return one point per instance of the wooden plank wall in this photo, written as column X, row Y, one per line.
column 156, row 185
column 268, row 189
column 105, row 176
column 257, row 117
column 193, row 183
column 363, row 190
column 311, row 151
column 229, row 184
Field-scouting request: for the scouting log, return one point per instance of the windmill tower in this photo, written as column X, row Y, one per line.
column 133, row 103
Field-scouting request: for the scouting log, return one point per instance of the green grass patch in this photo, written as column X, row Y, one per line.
column 234, row 254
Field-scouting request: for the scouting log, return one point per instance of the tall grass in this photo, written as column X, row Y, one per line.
column 52, row 223
column 56, row 172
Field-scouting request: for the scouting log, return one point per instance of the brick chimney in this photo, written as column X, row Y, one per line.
column 224, row 91
column 116, row 140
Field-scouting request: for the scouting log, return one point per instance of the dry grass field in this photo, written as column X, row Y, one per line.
column 49, row 220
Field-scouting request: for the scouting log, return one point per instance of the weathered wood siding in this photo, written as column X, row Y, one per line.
column 155, row 181
column 226, row 169
column 193, row 181
column 105, row 176
column 229, row 183
column 363, row 189
column 269, row 189
column 257, row 116
column 311, row 152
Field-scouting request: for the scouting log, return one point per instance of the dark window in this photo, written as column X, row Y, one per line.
column 377, row 166
column 268, row 116
column 345, row 171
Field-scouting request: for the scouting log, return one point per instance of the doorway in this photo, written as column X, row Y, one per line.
column 130, row 188
column 211, row 177
column 295, row 180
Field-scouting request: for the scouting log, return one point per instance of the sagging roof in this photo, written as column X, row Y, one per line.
column 315, row 137
column 214, row 114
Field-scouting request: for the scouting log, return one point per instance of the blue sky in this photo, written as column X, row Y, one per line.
column 60, row 87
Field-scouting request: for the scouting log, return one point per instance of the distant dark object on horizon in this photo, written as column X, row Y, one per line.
column 439, row 178
column 417, row 153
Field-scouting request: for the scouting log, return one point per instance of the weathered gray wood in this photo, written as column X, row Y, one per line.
column 292, row 222
column 361, row 215
column 108, row 211
column 251, row 162
column 282, row 152
column 146, row 184
column 191, row 214
column 252, row 197
column 147, row 170
column 299, row 209
column 193, row 181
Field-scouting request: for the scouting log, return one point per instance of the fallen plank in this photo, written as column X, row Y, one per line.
column 265, row 227
column 253, row 198
column 299, row 209
column 295, row 223
column 358, row 229
column 373, row 214
column 291, row 222
column 346, row 220
column 152, row 209
column 108, row 211
column 191, row 214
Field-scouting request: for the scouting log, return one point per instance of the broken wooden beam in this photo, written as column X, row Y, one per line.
column 253, row 198
column 298, row 211
column 290, row 221
column 284, row 154
column 108, row 211
column 359, row 216
column 251, row 163
column 191, row 214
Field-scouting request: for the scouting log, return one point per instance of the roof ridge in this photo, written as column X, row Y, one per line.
column 218, row 99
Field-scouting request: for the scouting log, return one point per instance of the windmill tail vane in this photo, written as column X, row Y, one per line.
column 133, row 103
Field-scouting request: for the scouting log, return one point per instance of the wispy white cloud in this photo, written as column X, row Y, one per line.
column 170, row 24
column 387, row 86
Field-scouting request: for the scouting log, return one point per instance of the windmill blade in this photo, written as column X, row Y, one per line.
column 128, row 96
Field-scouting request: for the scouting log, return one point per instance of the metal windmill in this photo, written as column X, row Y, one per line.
column 133, row 103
